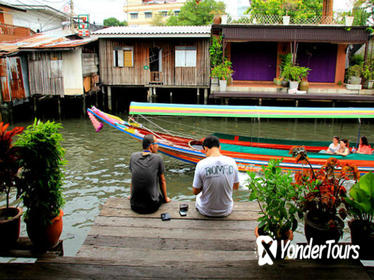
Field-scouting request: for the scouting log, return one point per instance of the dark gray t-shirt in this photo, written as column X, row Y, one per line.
column 145, row 176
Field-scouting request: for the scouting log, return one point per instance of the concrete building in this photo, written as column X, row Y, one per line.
column 142, row 12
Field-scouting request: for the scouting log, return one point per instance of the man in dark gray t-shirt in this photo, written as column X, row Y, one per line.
column 148, row 185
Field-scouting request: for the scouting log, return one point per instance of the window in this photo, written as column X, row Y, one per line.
column 148, row 14
column 185, row 56
column 123, row 57
column 176, row 12
column 134, row 15
column 164, row 13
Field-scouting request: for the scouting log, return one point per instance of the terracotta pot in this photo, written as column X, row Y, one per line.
column 363, row 234
column 259, row 232
column 321, row 231
column 47, row 237
column 9, row 227
column 217, row 20
column 304, row 85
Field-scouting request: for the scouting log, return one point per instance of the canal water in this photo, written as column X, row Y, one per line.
column 97, row 167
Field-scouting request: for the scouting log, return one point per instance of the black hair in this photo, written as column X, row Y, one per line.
column 148, row 140
column 211, row 141
column 336, row 137
column 345, row 141
column 364, row 141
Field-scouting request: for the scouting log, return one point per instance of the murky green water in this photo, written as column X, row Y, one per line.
column 98, row 162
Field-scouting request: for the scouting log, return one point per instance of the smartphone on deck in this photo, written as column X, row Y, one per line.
column 183, row 208
column 165, row 216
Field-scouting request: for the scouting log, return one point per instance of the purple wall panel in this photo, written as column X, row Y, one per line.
column 254, row 61
column 321, row 58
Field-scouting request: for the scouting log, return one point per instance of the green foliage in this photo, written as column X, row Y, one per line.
column 278, row 200
column 356, row 59
column 158, row 20
column 112, row 21
column 193, row 13
column 285, row 60
column 297, row 9
column 216, row 51
column 355, row 71
column 294, row 73
column 42, row 160
column 368, row 71
column 222, row 71
column 360, row 203
column 9, row 162
column 361, row 17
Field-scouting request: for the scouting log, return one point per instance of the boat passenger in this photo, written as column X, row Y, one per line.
column 344, row 148
column 215, row 178
column 147, row 172
column 334, row 146
column 364, row 147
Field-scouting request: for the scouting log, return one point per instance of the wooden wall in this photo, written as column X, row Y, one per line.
column 45, row 73
column 171, row 75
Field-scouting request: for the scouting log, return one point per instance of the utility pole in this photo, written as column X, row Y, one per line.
column 72, row 15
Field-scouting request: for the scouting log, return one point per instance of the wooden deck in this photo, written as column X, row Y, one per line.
column 122, row 244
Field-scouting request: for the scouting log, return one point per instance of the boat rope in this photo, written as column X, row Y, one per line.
column 148, row 129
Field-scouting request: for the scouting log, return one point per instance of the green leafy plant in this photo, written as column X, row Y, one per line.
column 277, row 198
column 222, row 71
column 216, row 51
column 360, row 202
column 368, row 72
column 355, row 70
column 42, row 160
column 294, row 73
column 9, row 162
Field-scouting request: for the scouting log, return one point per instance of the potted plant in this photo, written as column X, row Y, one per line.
column 42, row 161
column 324, row 194
column 368, row 74
column 360, row 206
column 278, row 202
column 294, row 74
column 216, row 58
column 354, row 74
column 223, row 72
column 288, row 5
column 10, row 217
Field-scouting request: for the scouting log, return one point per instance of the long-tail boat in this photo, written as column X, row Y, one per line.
column 250, row 153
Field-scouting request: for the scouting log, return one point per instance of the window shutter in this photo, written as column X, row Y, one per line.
column 128, row 58
column 120, row 58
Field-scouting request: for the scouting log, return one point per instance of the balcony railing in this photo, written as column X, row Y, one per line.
column 276, row 19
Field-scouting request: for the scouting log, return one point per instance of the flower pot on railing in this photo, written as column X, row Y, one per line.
column 222, row 85
column 286, row 20
column 294, row 85
column 348, row 20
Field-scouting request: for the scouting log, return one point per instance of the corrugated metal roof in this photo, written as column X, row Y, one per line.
column 42, row 41
column 154, row 31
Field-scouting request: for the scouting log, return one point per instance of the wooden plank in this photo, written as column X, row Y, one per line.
column 124, row 203
column 151, row 257
column 192, row 214
column 247, row 226
column 169, row 243
column 82, row 268
column 191, row 234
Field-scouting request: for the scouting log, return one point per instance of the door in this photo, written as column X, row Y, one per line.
column 321, row 59
column 254, row 61
column 155, row 64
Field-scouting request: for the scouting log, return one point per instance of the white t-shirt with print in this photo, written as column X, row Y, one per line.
column 216, row 176
column 334, row 149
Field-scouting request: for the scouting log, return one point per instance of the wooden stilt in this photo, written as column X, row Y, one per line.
column 10, row 113
column 35, row 106
column 83, row 105
column 59, row 107
column 97, row 99
column 149, row 95
column 205, row 96
column 171, row 97
column 260, row 102
column 154, row 96
column 110, row 99
column 297, row 103
column 198, row 96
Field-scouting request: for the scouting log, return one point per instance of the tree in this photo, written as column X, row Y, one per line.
column 158, row 20
column 298, row 9
column 197, row 13
column 112, row 21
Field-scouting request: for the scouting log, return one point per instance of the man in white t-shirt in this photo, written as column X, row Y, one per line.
column 215, row 178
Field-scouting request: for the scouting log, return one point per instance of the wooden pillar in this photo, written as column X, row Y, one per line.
column 10, row 112
column 97, row 99
column 59, row 107
column 205, row 96
column 260, row 102
column 340, row 63
column 35, row 106
column 149, row 95
column 154, row 95
column 297, row 103
column 171, row 97
column 198, row 96
column 83, row 105
column 110, row 99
